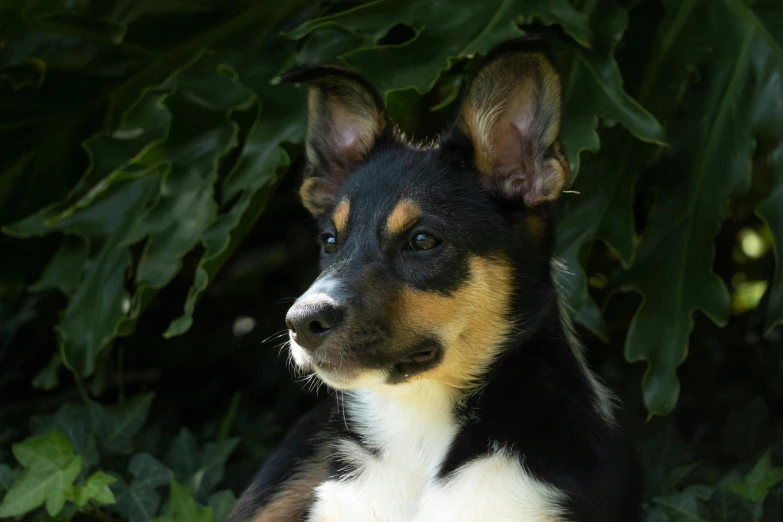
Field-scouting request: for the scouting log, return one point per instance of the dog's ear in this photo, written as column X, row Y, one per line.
column 510, row 116
column 345, row 120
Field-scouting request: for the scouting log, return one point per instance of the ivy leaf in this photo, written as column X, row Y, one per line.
column 759, row 481
column 139, row 500
column 75, row 422
column 96, row 488
column 199, row 471
column 684, row 506
column 184, row 508
column 183, row 456
column 48, row 378
column 7, row 477
column 222, row 503
column 50, row 468
column 118, row 425
column 736, row 102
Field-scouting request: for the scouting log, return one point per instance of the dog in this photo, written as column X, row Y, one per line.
column 462, row 394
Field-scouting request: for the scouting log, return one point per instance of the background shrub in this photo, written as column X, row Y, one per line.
column 147, row 161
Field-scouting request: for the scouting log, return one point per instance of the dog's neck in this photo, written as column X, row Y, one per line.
column 393, row 416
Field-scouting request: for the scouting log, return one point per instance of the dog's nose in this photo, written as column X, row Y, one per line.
column 312, row 322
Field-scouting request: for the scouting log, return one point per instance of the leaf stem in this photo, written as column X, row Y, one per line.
column 80, row 386
column 120, row 374
column 228, row 420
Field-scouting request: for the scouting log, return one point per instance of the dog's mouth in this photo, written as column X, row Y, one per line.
column 424, row 356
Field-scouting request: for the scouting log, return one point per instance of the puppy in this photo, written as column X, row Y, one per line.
column 461, row 395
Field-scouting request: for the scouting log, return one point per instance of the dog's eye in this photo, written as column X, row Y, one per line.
column 330, row 243
column 423, row 241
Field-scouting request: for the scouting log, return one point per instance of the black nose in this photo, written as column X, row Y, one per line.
column 312, row 322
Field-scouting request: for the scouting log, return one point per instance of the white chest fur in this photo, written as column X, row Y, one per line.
column 413, row 426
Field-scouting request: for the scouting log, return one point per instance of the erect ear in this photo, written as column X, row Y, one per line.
column 345, row 119
column 510, row 114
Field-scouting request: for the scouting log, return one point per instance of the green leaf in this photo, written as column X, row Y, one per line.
column 50, row 468
column 771, row 211
column 593, row 88
column 593, row 85
column 710, row 160
column 684, row 506
column 599, row 209
column 198, row 471
column 184, row 508
column 7, row 477
column 96, row 488
column 759, row 481
column 471, row 28
column 64, row 270
column 222, row 503
column 139, row 500
column 75, row 422
column 48, row 378
column 250, row 184
column 118, row 425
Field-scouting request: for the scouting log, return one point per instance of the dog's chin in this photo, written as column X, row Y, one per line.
column 338, row 377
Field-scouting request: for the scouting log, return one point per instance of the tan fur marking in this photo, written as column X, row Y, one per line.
column 402, row 217
column 340, row 215
column 315, row 194
column 472, row 322
column 289, row 505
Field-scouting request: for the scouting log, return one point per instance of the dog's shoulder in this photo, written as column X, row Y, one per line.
column 281, row 491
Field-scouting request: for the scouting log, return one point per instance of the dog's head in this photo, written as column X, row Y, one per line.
column 433, row 257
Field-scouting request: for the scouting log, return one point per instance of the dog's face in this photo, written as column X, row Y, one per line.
column 432, row 257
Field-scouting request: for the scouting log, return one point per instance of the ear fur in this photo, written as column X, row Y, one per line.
column 345, row 120
column 510, row 114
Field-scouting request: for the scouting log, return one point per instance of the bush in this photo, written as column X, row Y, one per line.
column 145, row 146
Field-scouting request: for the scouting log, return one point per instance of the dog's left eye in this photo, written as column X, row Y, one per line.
column 423, row 241
column 330, row 243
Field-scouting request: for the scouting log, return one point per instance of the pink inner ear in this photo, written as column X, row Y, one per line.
column 346, row 138
column 513, row 156
column 351, row 136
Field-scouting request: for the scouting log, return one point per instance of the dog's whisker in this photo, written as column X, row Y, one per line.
column 275, row 335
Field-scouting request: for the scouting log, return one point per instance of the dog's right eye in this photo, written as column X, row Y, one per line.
column 330, row 243
column 423, row 241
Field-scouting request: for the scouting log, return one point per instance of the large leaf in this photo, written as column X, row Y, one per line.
column 736, row 102
column 250, row 184
column 593, row 86
column 600, row 206
column 50, row 468
column 177, row 149
column 771, row 210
